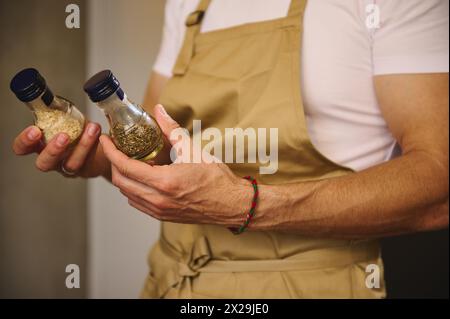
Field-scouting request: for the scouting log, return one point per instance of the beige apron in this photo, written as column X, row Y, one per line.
column 248, row 77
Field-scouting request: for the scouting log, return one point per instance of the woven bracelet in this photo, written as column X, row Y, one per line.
column 251, row 213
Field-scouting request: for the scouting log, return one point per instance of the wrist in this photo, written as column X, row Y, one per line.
column 272, row 209
column 241, row 199
column 250, row 213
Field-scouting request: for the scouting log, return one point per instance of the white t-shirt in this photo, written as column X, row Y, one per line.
column 339, row 59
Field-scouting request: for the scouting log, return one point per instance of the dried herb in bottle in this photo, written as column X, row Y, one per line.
column 133, row 131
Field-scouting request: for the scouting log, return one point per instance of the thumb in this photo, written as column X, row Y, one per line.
column 177, row 136
column 169, row 127
column 165, row 122
column 180, row 140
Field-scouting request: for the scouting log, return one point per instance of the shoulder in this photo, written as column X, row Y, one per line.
column 412, row 36
column 175, row 14
column 177, row 10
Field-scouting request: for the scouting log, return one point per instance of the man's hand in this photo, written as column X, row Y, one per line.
column 197, row 193
column 85, row 159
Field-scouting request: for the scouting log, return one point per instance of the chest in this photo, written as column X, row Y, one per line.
column 336, row 54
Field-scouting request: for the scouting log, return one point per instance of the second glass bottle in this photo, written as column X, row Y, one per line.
column 133, row 131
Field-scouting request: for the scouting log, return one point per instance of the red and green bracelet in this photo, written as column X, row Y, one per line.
column 251, row 213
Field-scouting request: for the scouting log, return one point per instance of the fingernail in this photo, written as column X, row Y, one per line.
column 163, row 112
column 33, row 133
column 92, row 130
column 62, row 139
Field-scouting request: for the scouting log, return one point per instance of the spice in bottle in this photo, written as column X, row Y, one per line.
column 52, row 114
column 133, row 131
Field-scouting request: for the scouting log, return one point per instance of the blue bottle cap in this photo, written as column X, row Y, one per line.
column 28, row 85
column 101, row 86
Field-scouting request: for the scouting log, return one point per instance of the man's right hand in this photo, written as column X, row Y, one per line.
column 85, row 159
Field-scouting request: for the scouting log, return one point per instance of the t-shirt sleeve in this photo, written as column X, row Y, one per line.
column 173, row 33
column 412, row 37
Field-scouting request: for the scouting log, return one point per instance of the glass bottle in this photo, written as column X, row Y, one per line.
column 52, row 114
column 133, row 131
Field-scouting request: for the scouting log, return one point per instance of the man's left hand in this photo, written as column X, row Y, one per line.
column 191, row 193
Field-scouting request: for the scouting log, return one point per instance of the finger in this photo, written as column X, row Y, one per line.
column 143, row 194
column 165, row 122
column 139, row 193
column 128, row 167
column 51, row 156
column 128, row 185
column 28, row 141
column 170, row 128
column 144, row 209
column 178, row 137
column 131, row 197
column 87, row 142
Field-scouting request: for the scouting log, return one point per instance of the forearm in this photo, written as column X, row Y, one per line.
column 403, row 195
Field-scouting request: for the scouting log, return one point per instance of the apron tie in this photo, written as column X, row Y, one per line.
column 187, row 268
column 199, row 256
column 200, row 260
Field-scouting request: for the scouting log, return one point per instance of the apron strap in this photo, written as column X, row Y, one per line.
column 193, row 24
column 296, row 8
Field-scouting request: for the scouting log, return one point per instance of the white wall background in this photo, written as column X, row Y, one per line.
column 123, row 36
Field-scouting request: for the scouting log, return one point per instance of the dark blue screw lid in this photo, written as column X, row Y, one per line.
column 28, row 85
column 101, row 86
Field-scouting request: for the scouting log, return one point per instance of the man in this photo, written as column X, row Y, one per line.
column 366, row 88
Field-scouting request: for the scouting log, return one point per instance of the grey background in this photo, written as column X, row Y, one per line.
column 124, row 36
column 47, row 222
column 42, row 216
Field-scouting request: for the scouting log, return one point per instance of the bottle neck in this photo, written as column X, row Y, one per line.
column 119, row 108
column 115, row 100
column 44, row 100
